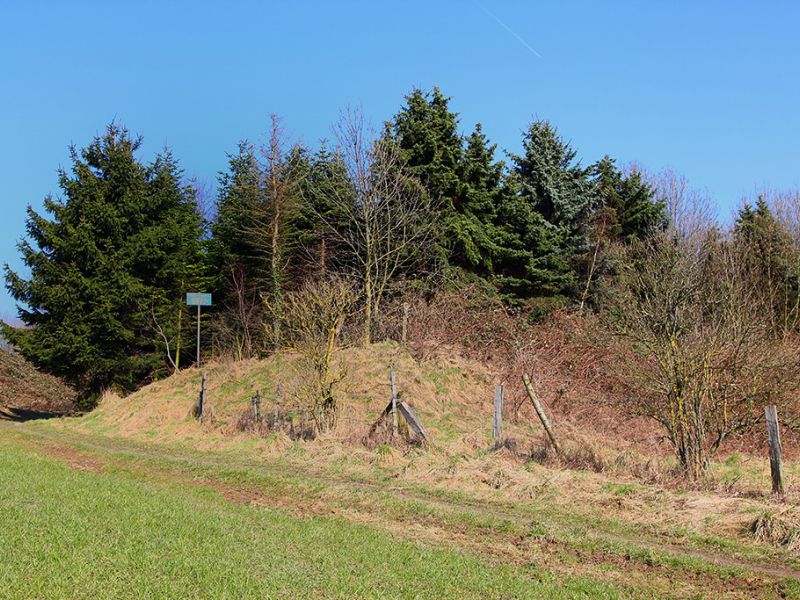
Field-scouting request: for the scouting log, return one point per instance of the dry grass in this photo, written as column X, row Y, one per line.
column 22, row 386
column 453, row 397
column 777, row 528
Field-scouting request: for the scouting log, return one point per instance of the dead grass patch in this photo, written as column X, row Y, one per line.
column 777, row 529
column 75, row 459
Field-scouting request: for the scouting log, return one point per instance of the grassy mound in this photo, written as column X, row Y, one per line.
column 452, row 396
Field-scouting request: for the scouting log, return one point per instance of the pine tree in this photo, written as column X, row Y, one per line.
column 106, row 264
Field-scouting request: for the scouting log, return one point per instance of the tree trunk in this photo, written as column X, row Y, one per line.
column 690, row 440
column 367, row 335
column 178, row 343
column 276, row 282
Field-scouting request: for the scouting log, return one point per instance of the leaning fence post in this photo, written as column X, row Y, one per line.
column 257, row 406
column 540, row 411
column 498, row 416
column 775, row 450
column 393, row 380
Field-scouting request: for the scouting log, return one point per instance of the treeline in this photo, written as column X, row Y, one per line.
column 412, row 205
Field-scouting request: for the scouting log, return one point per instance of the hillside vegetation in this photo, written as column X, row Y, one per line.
column 651, row 334
column 604, row 513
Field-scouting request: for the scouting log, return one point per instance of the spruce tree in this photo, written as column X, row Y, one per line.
column 630, row 206
column 431, row 149
column 106, row 268
column 323, row 177
column 772, row 260
column 549, row 197
column 475, row 239
column 231, row 253
column 430, row 146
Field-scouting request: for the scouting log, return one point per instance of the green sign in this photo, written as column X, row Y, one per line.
column 197, row 299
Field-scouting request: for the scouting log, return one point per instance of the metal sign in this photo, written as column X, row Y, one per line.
column 198, row 299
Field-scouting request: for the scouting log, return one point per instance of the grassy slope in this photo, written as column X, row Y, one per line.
column 598, row 534
column 69, row 533
column 589, row 550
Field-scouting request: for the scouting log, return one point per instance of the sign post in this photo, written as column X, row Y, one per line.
column 198, row 300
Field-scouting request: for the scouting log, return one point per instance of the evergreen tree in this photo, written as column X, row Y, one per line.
column 474, row 237
column 232, row 255
column 631, row 209
column 430, row 146
column 548, row 200
column 184, row 268
column 107, row 264
column 625, row 210
column 323, row 177
column 431, row 149
column 772, row 260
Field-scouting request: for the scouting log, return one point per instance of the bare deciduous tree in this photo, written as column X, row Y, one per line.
column 690, row 212
column 709, row 358
column 386, row 212
column 236, row 329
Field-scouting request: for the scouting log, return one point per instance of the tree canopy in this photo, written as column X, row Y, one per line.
column 114, row 257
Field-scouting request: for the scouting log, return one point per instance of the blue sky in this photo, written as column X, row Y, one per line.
column 711, row 89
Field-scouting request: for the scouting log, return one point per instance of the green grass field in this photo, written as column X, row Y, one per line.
column 90, row 516
column 72, row 533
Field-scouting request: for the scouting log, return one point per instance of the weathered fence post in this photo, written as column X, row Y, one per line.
column 404, row 329
column 278, row 392
column 540, row 412
column 256, row 400
column 775, row 450
column 393, row 380
column 201, row 400
column 498, row 416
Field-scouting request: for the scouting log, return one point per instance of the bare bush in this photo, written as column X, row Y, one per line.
column 710, row 359
column 277, row 421
column 313, row 319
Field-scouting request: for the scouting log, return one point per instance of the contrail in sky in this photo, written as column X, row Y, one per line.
column 507, row 28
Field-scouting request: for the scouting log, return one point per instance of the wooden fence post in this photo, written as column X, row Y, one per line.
column 775, row 450
column 278, row 392
column 393, row 380
column 257, row 406
column 201, row 400
column 498, row 416
column 540, row 412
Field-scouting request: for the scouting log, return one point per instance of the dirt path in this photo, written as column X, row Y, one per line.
column 506, row 546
